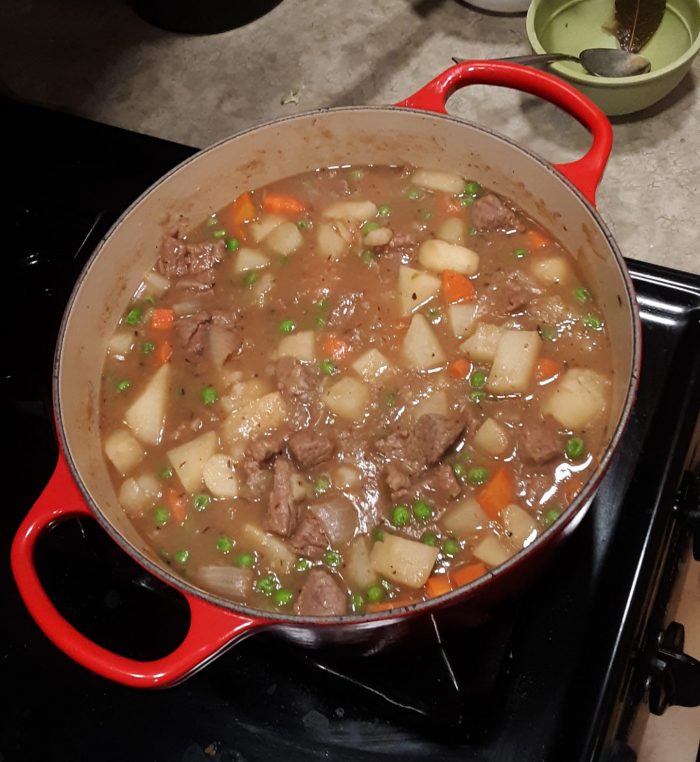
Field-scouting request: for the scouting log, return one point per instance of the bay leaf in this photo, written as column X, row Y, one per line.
column 636, row 21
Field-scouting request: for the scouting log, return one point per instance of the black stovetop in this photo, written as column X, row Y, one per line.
column 556, row 676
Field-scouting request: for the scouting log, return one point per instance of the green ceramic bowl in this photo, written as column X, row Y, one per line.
column 570, row 26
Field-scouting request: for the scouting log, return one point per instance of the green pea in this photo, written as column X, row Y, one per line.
column 245, row 560
column 332, row 558
column 368, row 227
column 181, row 556
column 200, row 502
column 466, row 200
column 304, row 224
column 224, row 544
column 147, row 347
column 161, row 515
column 322, row 304
column 356, row 174
column 165, row 472
column 460, row 471
column 520, row 253
column 133, row 316
column 321, row 485
column 575, row 448
column 267, row 584
column 283, row 597
column 288, row 326
column 357, row 603
column 302, row 564
column 390, row 399
column 233, row 244
column 427, row 215
column 422, row 510
column 220, row 233
column 123, row 385
column 150, row 300
column 376, row 594
column 283, row 260
column 434, row 315
column 429, row 538
column 414, row 194
column 473, row 230
column 477, row 395
column 208, row 395
column 582, row 294
column 593, row 322
column 320, row 322
column 547, row 332
column 327, row 367
column 400, row 515
column 250, row 278
column 367, row 257
column 478, row 378
column 451, row 547
column 550, row 517
column 379, row 535
column 477, row 476
column 472, row 188
column 212, row 221
column 384, row 211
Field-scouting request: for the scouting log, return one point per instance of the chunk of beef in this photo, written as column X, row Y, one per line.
column 404, row 244
column 295, row 380
column 193, row 332
column 404, row 447
column 539, row 441
column 311, row 448
column 490, row 213
column 439, row 485
column 507, row 293
column 200, row 282
column 257, row 478
column 309, row 538
column 321, row 595
column 396, row 478
column 178, row 258
column 264, row 446
column 436, row 434
column 283, row 510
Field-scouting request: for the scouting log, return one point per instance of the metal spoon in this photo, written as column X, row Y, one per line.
column 603, row 62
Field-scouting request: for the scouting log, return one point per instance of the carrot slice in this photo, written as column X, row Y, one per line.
column 388, row 605
column 162, row 318
column 463, row 575
column 164, row 351
column 498, row 492
column 242, row 210
column 456, row 287
column 277, row 203
column 547, row 368
column 448, row 205
column 460, row 368
column 177, row 503
column 335, row 348
column 537, row 240
column 438, row 584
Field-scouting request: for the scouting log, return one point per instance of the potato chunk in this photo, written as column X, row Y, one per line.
column 378, row 237
column 188, row 459
column 580, row 396
column 275, row 554
column 406, row 562
column 284, row 239
column 492, row 550
column 440, row 255
column 551, row 271
column 491, row 437
column 220, row 476
column 514, row 362
column 264, row 226
column 481, row 345
column 256, row 417
column 358, row 211
column 465, row 517
column 453, row 230
column 331, row 243
column 250, row 259
column 435, row 403
column 146, row 416
column 433, row 179
column 416, row 287
column 358, row 567
column 519, row 524
column 460, row 318
column 347, row 398
column 124, row 450
column 301, row 345
column 371, row 364
column 421, row 347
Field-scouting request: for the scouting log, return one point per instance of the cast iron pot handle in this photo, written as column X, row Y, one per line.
column 211, row 629
column 585, row 173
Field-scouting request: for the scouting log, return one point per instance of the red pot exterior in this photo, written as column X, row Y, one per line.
column 560, row 197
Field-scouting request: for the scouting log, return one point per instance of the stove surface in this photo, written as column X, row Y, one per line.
column 556, row 676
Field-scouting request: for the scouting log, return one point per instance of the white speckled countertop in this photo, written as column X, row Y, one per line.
column 101, row 61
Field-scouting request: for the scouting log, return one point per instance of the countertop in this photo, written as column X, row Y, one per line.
column 101, row 61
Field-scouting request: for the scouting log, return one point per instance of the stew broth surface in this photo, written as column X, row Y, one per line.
column 353, row 389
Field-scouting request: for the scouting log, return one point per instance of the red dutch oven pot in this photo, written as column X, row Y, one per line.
column 416, row 131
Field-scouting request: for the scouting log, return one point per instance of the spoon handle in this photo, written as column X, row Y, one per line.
column 532, row 58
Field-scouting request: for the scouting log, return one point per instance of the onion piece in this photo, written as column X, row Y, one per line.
column 156, row 283
column 339, row 519
column 229, row 581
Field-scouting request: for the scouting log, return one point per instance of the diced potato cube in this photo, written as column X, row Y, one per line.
column 580, row 396
column 433, row 404
column 460, row 318
column 347, row 398
column 447, row 182
column 256, row 417
column 464, row 518
column 520, row 525
column 275, row 554
column 263, row 287
column 514, row 362
column 378, row 237
column 481, row 345
column 421, row 347
column 301, row 345
column 223, row 344
column 284, row 239
column 146, row 415
column 136, row 495
column 242, row 393
column 121, row 343
column 264, row 226
column 156, row 284
column 220, row 476
column 403, row 561
column 453, row 230
column 416, row 287
column 188, row 459
column 358, row 211
column 491, row 437
column 371, row 364
column 491, row 550
column 124, row 450
column 551, row 271
column 331, row 243
column 358, row 568
column 250, row 259
column 440, row 255
column 346, row 477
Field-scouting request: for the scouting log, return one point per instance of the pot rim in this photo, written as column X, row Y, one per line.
column 574, row 510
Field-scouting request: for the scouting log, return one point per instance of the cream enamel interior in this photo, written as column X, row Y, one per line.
column 297, row 144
